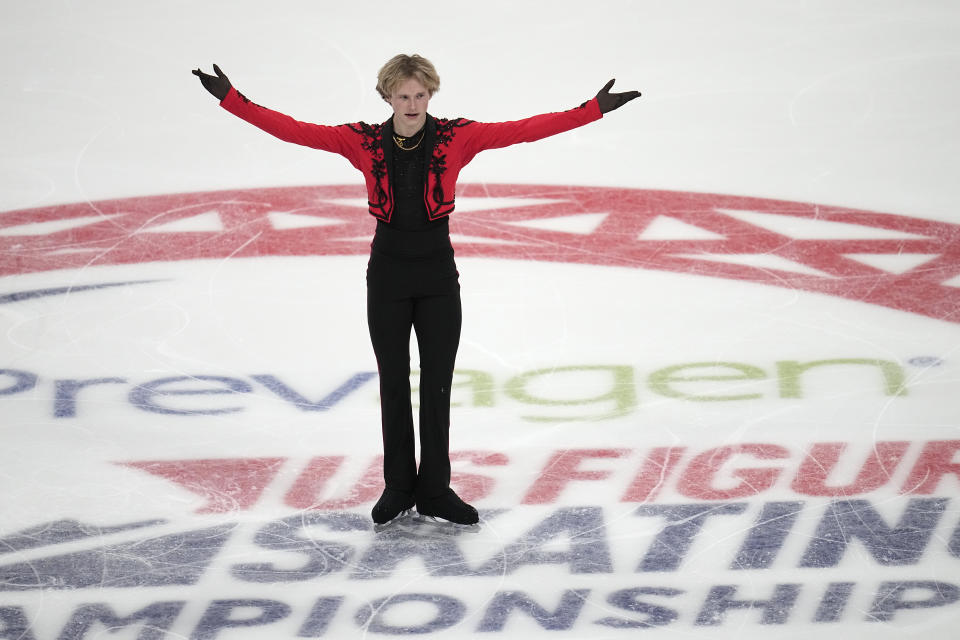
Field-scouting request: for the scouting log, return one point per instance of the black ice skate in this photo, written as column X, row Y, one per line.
column 447, row 507
column 391, row 505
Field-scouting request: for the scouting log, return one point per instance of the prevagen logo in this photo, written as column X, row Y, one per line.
column 895, row 261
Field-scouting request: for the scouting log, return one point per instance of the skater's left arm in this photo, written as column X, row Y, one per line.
column 495, row 135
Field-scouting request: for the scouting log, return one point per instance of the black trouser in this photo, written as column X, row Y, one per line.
column 422, row 293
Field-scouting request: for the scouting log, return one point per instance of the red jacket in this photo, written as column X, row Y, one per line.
column 454, row 143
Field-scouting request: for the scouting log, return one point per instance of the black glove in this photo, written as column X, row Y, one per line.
column 610, row 101
column 218, row 85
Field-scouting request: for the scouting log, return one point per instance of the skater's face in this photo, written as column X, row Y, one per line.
column 409, row 101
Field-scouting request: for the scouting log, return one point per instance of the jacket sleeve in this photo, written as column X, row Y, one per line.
column 494, row 135
column 336, row 139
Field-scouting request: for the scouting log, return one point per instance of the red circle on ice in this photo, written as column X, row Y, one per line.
column 896, row 261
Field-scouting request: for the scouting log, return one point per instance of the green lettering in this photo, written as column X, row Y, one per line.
column 621, row 396
column 790, row 371
column 479, row 387
column 661, row 381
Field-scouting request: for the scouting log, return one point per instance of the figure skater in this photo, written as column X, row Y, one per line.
column 410, row 164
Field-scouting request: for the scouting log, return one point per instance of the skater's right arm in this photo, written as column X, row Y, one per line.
column 316, row 136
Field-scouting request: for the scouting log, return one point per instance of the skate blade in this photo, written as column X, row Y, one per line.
column 393, row 524
column 439, row 525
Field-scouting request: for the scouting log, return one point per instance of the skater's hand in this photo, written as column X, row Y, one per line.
column 218, row 85
column 610, row 101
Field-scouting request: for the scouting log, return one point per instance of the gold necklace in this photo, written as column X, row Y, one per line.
column 399, row 140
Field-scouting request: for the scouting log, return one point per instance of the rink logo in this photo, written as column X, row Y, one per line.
column 580, row 611
column 324, row 573
column 570, row 393
column 715, row 474
column 894, row 261
column 571, row 544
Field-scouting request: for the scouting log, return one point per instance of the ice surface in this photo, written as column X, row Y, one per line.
column 707, row 386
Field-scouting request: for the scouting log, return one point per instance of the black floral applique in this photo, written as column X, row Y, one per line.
column 369, row 135
column 370, row 141
column 438, row 167
column 446, row 130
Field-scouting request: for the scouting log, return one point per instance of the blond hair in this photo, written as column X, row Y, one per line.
column 403, row 67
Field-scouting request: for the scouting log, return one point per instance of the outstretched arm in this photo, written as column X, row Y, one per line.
column 218, row 85
column 317, row 136
column 502, row 134
column 610, row 101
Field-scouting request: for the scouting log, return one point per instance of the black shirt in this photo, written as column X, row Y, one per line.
column 408, row 179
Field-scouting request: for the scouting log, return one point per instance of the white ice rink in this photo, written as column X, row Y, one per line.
column 708, row 380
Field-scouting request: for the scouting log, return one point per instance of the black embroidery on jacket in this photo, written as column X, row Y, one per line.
column 440, row 132
column 438, row 167
column 370, row 140
column 445, row 132
column 446, row 129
